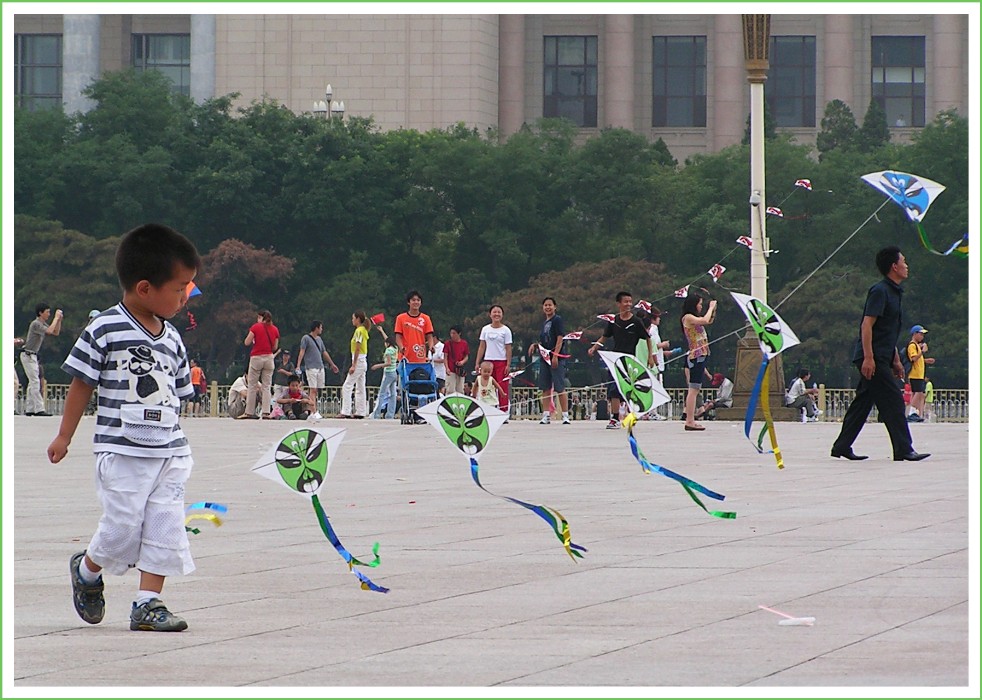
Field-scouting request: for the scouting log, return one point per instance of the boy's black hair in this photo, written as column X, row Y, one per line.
column 41, row 308
column 412, row 294
column 549, row 299
column 802, row 373
column 314, row 325
column 886, row 258
column 621, row 295
column 150, row 252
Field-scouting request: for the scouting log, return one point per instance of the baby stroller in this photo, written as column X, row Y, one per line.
column 419, row 387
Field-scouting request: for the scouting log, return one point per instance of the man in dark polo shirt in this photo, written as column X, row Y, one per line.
column 627, row 330
column 876, row 356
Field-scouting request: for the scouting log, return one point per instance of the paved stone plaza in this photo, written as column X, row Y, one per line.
column 482, row 593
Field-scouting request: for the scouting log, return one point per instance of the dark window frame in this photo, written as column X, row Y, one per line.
column 142, row 48
column 792, row 106
column 558, row 71
column 25, row 80
column 893, row 57
column 678, row 89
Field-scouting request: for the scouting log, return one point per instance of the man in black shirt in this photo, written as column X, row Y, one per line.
column 876, row 356
column 627, row 330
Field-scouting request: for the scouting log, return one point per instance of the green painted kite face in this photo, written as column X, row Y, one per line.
column 301, row 459
column 464, row 422
column 634, row 384
column 766, row 325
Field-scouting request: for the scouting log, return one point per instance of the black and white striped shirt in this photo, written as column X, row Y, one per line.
column 141, row 380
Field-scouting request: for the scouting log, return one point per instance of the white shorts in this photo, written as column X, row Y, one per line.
column 315, row 378
column 142, row 523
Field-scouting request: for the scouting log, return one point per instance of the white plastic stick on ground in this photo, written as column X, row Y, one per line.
column 790, row 620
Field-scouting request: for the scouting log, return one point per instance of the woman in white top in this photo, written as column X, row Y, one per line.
column 495, row 347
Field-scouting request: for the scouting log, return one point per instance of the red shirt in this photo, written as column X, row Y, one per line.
column 264, row 338
column 454, row 351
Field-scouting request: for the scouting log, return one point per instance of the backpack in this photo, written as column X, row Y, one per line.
column 905, row 359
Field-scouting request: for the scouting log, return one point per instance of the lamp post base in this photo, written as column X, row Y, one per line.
column 748, row 359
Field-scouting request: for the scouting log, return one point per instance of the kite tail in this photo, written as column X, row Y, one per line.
column 552, row 516
column 202, row 505
column 688, row 484
column 959, row 248
column 760, row 392
column 765, row 404
column 366, row 583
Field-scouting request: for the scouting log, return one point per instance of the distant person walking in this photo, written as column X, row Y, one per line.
column 264, row 338
column 311, row 359
column 36, row 333
column 875, row 355
column 916, row 350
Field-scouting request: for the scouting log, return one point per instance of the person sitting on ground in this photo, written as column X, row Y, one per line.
column 724, row 397
column 800, row 396
column 296, row 405
column 237, row 397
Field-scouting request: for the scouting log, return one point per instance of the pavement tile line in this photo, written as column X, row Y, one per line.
column 481, row 597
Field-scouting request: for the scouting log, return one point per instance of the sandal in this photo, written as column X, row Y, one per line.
column 695, row 427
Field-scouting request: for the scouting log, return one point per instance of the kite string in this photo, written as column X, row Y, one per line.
column 822, row 264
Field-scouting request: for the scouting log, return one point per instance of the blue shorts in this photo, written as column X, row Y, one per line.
column 550, row 378
column 697, row 369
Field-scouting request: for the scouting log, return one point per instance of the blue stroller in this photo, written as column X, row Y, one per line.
column 419, row 387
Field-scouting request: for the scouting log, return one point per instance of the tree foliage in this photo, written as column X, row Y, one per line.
column 316, row 218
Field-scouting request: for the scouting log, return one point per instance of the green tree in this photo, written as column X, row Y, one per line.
column 838, row 128
column 874, row 133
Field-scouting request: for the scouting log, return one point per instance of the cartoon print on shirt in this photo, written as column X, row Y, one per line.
column 148, row 380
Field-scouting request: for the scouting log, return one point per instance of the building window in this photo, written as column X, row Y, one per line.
column 168, row 53
column 37, row 70
column 678, row 81
column 898, row 78
column 790, row 86
column 570, row 79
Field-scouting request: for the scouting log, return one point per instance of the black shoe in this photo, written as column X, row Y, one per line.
column 848, row 454
column 911, row 457
column 40, row 413
column 30, row 414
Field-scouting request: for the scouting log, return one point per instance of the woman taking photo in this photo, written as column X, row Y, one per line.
column 694, row 324
column 264, row 338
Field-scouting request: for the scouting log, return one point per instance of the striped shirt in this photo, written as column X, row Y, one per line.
column 141, row 380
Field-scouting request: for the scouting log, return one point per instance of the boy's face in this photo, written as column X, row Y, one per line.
column 624, row 305
column 167, row 299
column 414, row 304
column 294, row 386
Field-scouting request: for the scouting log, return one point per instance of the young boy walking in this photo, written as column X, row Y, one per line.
column 140, row 366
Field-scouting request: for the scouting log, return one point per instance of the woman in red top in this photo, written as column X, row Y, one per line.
column 264, row 338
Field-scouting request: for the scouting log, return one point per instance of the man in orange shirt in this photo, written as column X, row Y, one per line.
column 414, row 331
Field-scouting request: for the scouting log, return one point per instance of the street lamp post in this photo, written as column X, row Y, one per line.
column 756, row 47
column 329, row 108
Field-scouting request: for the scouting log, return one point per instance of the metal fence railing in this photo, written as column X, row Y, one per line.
column 949, row 405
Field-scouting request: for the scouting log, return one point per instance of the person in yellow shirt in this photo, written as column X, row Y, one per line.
column 916, row 351
column 355, row 382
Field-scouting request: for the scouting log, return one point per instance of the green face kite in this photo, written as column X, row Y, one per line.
column 766, row 324
column 463, row 421
column 301, row 459
column 634, row 384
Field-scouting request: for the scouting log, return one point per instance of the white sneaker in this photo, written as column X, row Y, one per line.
column 613, row 424
column 545, row 420
column 813, row 419
column 565, row 420
column 314, row 417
